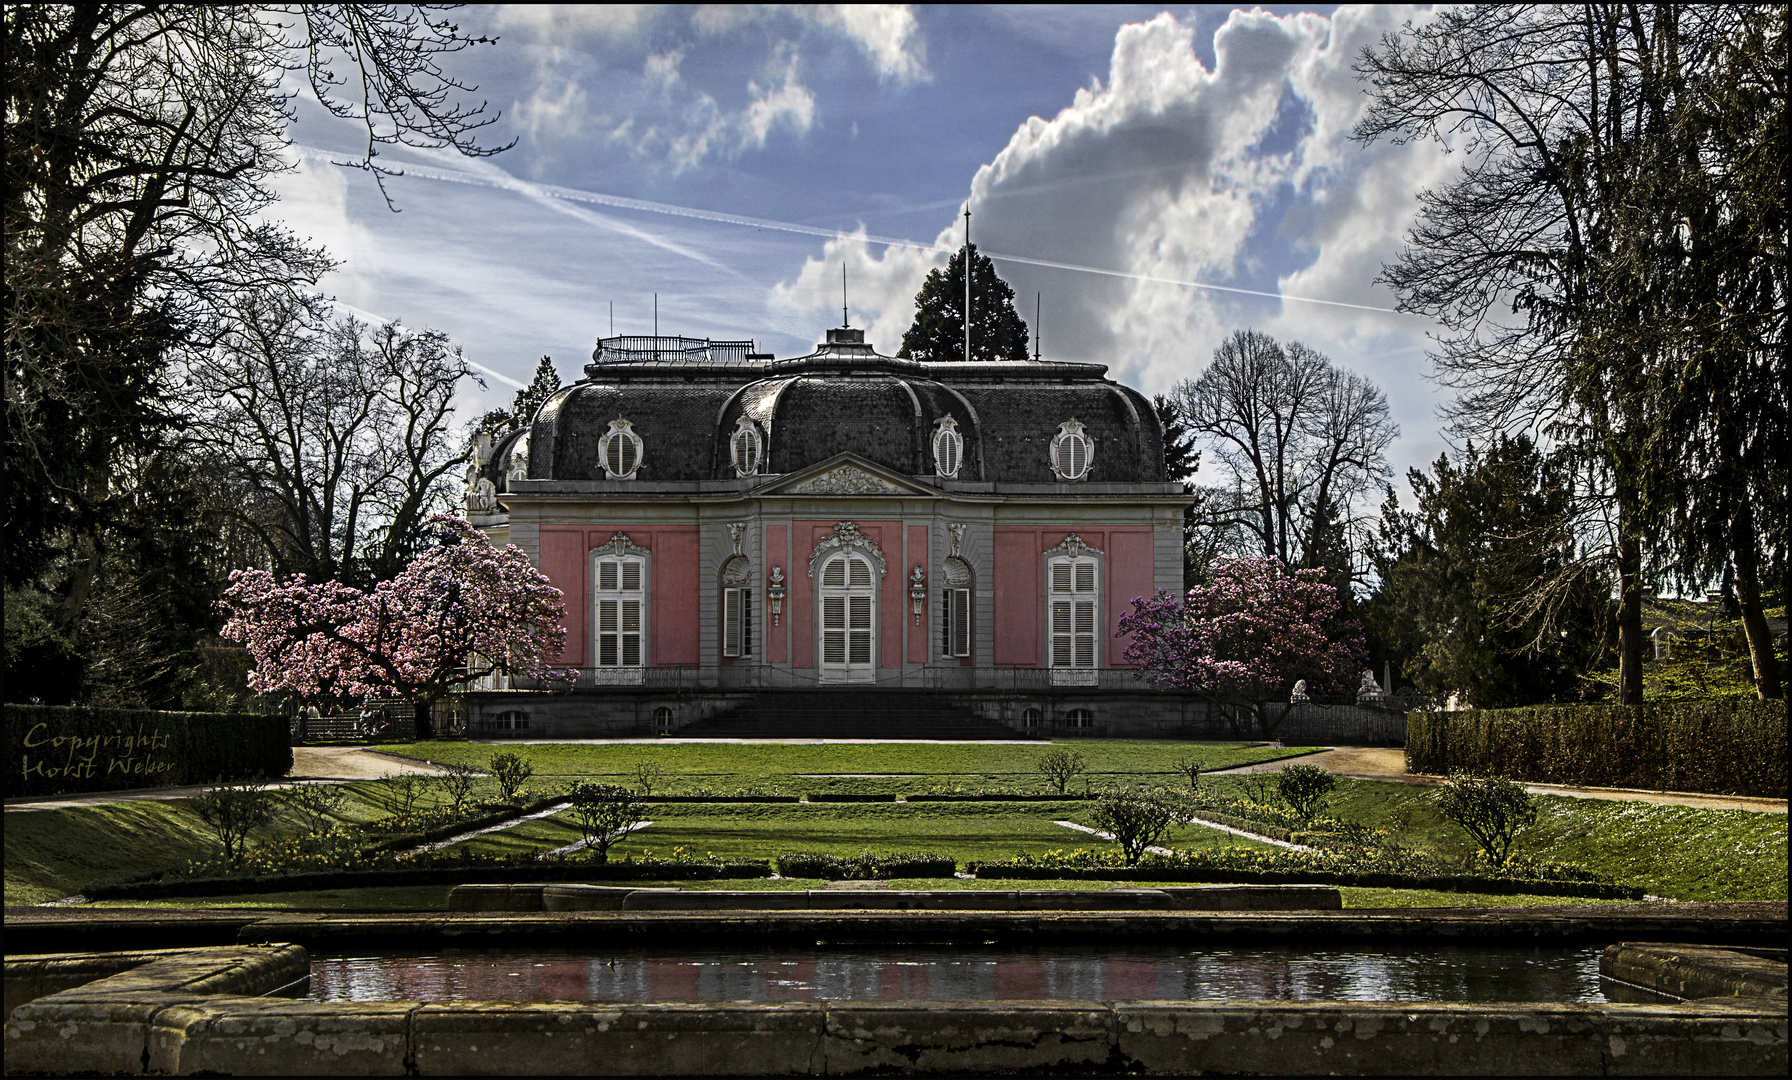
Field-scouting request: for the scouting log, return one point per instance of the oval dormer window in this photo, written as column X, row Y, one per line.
column 948, row 449
column 746, row 449
column 1073, row 451
column 621, row 451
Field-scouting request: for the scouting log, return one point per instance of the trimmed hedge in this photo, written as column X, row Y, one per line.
column 1440, row 882
column 400, row 841
column 63, row 749
column 436, row 875
column 842, row 796
column 1717, row 747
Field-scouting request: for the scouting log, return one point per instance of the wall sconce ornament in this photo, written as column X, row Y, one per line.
column 917, row 590
column 774, row 592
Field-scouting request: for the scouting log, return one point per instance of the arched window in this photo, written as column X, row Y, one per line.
column 620, row 453
column 948, row 449
column 745, row 448
column 662, row 720
column 1073, row 451
column 1029, row 719
column 848, row 597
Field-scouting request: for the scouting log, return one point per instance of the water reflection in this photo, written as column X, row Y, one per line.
column 1451, row 973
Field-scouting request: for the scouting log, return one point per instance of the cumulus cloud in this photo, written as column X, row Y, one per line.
column 1243, row 175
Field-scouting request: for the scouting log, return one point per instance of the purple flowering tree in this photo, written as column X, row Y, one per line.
column 1244, row 639
column 455, row 614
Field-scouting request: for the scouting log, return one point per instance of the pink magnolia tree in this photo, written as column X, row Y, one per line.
column 456, row 613
column 1244, row 639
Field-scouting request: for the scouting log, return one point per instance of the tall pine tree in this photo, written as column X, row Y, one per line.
column 997, row 331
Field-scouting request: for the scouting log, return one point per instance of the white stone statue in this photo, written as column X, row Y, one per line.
column 1370, row 690
column 1300, row 691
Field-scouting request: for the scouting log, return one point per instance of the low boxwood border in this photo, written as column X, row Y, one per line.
column 1000, row 798
column 1439, row 882
column 433, row 875
column 843, row 796
column 724, row 798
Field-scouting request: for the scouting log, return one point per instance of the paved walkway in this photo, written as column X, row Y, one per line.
column 1388, row 764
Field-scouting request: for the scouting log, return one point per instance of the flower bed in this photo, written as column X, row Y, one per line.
column 866, row 865
column 1382, row 867
column 440, row 870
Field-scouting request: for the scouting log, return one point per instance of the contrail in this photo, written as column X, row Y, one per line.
column 524, row 187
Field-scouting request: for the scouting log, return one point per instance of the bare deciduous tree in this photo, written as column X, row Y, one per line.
column 339, row 433
column 1298, row 442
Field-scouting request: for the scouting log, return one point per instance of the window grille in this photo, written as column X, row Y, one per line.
column 746, row 449
column 620, row 451
column 955, row 622
column 1073, row 605
column 948, row 449
column 737, row 622
column 621, row 600
column 1073, row 451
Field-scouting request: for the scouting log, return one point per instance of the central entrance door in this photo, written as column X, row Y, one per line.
column 848, row 620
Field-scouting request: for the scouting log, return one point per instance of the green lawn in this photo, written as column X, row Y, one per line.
column 724, row 766
column 1685, row 853
column 966, row 832
column 1682, row 852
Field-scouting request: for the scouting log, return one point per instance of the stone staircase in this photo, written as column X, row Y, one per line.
column 869, row 713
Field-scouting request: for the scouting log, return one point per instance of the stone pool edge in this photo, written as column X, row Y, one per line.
column 200, row 1011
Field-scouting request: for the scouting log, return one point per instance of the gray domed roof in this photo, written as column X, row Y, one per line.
column 844, row 397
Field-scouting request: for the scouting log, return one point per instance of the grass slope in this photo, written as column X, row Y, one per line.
column 1681, row 852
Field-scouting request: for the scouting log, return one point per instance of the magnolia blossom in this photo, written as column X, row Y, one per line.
column 1245, row 638
column 457, row 613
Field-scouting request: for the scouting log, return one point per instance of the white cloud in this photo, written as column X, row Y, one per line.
column 1243, row 175
column 886, row 33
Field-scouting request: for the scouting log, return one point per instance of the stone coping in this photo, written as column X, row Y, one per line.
column 206, row 1011
column 556, row 897
column 1691, row 972
column 43, row 930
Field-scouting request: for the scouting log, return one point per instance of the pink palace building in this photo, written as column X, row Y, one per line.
column 843, row 543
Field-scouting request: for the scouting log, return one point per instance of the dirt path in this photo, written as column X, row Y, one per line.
column 1388, row 764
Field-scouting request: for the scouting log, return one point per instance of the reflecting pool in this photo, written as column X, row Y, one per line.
column 1408, row 972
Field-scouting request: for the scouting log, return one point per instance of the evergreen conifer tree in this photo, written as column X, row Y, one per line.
column 997, row 331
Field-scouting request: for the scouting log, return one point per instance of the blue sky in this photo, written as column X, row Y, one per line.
column 1146, row 146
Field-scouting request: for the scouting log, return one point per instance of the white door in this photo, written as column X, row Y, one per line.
column 848, row 620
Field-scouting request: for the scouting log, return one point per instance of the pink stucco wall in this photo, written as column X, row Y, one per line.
column 563, row 563
column 1016, row 613
column 676, row 596
column 1129, row 576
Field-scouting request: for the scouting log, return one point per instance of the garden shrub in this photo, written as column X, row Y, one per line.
column 865, row 866
column 1375, row 867
column 1137, row 818
column 62, row 749
column 1718, row 747
column 1304, row 788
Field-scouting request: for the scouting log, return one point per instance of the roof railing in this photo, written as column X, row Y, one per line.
column 648, row 349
